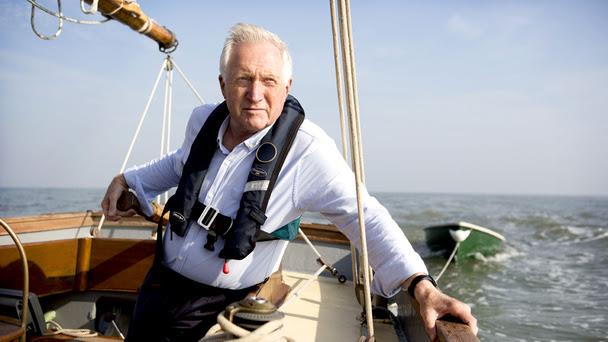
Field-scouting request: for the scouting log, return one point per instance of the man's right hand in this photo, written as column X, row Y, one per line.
column 108, row 204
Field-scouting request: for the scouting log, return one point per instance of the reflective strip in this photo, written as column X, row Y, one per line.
column 261, row 185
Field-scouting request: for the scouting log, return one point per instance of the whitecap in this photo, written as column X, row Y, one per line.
column 507, row 253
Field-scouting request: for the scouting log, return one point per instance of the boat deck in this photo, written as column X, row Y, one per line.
column 326, row 311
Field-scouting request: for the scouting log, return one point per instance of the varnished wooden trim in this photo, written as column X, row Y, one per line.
column 454, row 332
column 323, row 232
column 56, row 221
column 119, row 264
column 83, row 262
column 46, row 222
column 51, row 266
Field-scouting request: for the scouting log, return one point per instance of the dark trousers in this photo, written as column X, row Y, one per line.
column 171, row 307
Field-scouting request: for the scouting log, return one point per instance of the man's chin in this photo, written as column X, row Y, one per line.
column 254, row 126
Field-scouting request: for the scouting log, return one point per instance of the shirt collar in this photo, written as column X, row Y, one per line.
column 250, row 143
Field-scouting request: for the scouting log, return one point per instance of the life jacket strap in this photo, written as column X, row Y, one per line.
column 212, row 220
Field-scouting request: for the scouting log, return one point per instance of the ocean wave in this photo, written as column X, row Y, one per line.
column 590, row 235
column 507, row 253
column 538, row 221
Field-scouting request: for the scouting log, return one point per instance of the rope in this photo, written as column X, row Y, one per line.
column 95, row 231
column 78, row 333
column 166, row 127
column 225, row 330
column 356, row 146
column 33, row 23
column 295, row 293
column 167, row 65
column 60, row 15
column 109, row 14
column 91, row 10
column 309, row 243
column 181, row 73
column 340, row 91
column 334, row 31
column 445, row 267
column 26, row 277
column 355, row 91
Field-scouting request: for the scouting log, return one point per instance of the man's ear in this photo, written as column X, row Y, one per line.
column 288, row 86
column 222, row 85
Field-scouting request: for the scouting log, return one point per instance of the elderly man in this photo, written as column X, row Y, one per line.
column 222, row 242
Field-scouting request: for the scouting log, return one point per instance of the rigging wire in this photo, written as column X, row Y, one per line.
column 96, row 230
column 60, row 15
column 165, row 140
column 61, row 18
column 356, row 147
column 167, row 66
column 340, row 93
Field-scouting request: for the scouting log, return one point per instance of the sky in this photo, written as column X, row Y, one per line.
column 501, row 97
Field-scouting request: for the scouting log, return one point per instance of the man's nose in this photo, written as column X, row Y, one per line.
column 255, row 92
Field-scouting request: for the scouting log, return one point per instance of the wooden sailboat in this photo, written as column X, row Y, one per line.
column 84, row 280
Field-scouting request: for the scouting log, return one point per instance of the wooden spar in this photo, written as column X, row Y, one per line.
column 130, row 14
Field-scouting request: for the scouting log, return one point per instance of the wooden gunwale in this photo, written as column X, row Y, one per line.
column 55, row 221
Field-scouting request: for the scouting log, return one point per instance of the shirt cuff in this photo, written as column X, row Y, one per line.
column 389, row 278
column 135, row 184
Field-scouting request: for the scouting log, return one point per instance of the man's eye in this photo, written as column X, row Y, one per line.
column 242, row 80
column 270, row 82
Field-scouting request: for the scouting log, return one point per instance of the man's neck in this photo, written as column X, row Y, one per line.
column 232, row 137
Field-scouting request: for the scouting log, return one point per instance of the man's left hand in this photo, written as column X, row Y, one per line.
column 434, row 304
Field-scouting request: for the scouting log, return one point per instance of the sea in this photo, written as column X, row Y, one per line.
column 548, row 283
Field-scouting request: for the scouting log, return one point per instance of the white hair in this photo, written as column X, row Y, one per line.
column 241, row 33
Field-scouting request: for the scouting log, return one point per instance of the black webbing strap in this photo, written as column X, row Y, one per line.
column 269, row 159
column 294, row 105
column 202, row 151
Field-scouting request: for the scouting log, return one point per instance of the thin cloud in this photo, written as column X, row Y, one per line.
column 462, row 27
column 14, row 13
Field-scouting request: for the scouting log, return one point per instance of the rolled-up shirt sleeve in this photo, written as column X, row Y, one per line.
column 153, row 178
column 325, row 184
column 159, row 175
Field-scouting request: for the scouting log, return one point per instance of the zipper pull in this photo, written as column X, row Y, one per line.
column 226, row 270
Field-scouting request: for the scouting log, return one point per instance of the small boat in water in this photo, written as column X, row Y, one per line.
column 469, row 239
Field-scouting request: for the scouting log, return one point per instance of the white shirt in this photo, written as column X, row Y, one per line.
column 314, row 178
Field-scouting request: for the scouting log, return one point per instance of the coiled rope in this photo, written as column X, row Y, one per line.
column 225, row 330
column 78, row 333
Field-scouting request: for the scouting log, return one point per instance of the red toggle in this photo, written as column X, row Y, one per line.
column 226, row 270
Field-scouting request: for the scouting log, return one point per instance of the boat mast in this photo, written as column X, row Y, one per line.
column 126, row 12
column 130, row 14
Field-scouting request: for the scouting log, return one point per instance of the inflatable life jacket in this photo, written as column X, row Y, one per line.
column 241, row 233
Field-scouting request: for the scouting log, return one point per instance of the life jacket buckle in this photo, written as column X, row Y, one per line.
column 207, row 217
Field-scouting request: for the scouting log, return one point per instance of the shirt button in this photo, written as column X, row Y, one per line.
column 180, row 258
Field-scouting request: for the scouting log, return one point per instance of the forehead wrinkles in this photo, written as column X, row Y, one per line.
column 261, row 72
column 256, row 59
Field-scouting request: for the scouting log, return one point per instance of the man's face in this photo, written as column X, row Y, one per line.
column 254, row 87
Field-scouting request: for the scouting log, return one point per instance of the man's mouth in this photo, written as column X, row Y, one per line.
column 251, row 109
